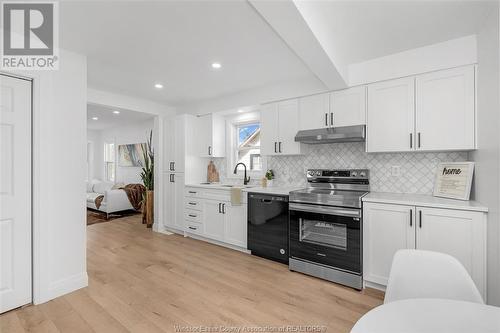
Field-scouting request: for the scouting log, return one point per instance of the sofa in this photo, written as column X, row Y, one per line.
column 115, row 199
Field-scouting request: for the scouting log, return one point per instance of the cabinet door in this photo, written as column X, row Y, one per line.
column 218, row 148
column 168, row 143
column 390, row 116
column 314, row 112
column 235, row 223
column 213, row 220
column 204, row 135
column 386, row 229
column 288, row 126
column 460, row 234
column 168, row 199
column 348, row 107
column 445, row 112
column 178, row 185
column 269, row 129
column 179, row 144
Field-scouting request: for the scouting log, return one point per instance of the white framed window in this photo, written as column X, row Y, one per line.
column 244, row 147
column 109, row 162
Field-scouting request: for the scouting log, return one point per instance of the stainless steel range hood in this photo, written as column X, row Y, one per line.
column 332, row 135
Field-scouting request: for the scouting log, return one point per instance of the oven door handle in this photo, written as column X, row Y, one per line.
column 326, row 210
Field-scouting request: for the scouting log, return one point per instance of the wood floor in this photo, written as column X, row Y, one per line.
column 141, row 281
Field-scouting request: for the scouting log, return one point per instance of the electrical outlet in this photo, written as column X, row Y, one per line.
column 395, row 170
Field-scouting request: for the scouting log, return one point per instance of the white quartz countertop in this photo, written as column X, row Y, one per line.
column 247, row 188
column 272, row 190
column 423, row 201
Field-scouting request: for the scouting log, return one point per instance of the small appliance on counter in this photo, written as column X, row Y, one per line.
column 268, row 226
column 326, row 226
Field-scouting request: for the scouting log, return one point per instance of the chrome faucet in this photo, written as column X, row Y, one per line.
column 245, row 179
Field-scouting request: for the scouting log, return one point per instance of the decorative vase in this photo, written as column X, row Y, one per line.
column 270, row 182
column 149, row 209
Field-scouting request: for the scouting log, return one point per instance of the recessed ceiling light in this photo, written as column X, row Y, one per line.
column 95, row 118
column 158, row 85
column 241, row 110
column 116, row 112
column 216, row 65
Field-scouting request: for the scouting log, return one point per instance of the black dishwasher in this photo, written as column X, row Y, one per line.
column 268, row 226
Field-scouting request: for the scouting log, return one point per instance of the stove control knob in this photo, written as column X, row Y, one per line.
column 310, row 173
column 354, row 174
column 318, row 173
column 362, row 174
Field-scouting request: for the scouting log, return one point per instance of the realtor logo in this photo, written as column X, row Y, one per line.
column 29, row 35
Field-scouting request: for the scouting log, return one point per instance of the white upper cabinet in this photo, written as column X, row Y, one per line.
column 428, row 112
column 279, row 125
column 348, row 107
column 445, row 114
column 314, row 112
column 390, row 116
column 269, row 118
column 211, row 136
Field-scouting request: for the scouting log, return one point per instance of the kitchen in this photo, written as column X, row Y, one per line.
column 350, row 167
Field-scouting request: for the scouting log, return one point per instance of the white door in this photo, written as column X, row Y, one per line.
column 213, row 222
column 457, row 233
column 15, row 193
column 288, row 126
column 235, row 224
column 445, row 117
column 178, row 184
column 269, row 129
column 348, row 107
column 390, row 116
column 386, row 229
column 314, row 112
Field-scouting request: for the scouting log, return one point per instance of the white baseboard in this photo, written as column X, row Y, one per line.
column 211, row 241
column 65, row 286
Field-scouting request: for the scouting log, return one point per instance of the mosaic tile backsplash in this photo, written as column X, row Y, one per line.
column 417, row 170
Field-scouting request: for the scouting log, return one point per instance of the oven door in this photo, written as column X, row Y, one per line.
column 326, row 235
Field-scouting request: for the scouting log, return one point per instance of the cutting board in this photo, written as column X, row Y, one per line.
column 212, row 173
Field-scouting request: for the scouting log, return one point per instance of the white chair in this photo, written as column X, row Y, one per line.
column 426, row 274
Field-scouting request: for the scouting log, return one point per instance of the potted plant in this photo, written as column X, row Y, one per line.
column 147, row 176
column 270, row 177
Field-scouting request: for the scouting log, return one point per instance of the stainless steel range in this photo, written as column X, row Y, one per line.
column 326, row 225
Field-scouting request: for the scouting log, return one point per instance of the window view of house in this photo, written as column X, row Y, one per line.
column 248, row 146
column 109, row 161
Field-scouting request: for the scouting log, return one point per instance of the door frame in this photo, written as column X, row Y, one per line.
column 32, row 161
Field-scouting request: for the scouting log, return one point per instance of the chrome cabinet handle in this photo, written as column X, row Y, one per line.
column 223, row 208
column 411, row 140
column 275, row 145
column 173, row 166
column 192, row 192
column 192, row 215
column 192, row 228
column 192, row 203
column 420, row 219
column 418, row 137
column 279, row 147
column 209, row 150
column 331, row 118
column 326, row 119
column 220, row 209
column 411, row 217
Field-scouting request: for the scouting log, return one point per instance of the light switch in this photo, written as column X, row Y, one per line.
column 395, row 170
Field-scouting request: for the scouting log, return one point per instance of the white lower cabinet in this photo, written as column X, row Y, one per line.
column 389, row 227
column 209, row 213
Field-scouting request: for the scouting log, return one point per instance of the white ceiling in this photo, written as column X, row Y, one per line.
column 132, row 45
column 107, row 119
column 356, row 31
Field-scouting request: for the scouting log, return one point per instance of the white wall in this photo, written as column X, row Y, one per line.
column 59, row 172
column 487, row 156
column 135, row 133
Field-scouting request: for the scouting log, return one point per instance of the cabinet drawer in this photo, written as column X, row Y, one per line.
column 195, row 204
column 193, row 215
column 192, row 192
column 194, row 228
